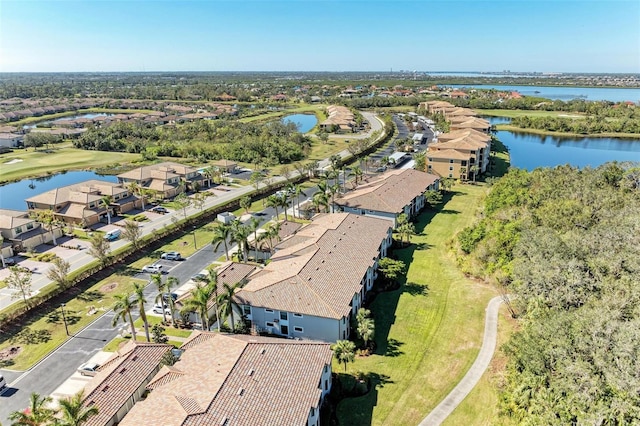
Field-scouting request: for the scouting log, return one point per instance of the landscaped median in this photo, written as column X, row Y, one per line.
column 429, row 331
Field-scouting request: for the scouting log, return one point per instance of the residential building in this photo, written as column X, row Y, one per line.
column 81, row 203
column 448, row 163
column 10, row 140
column 21, row 232
column 121, row 382
column 340, row 119
column 395, row 192
column 238, row 380
column 318, row 278
column 225, row 166
column 165, row 179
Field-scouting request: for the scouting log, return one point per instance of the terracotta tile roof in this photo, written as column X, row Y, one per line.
column 120, row 377
column 449, row 154
column 391, row 193
column 247, row 380
column 319, row 269
column 161, row 171
column 472, row 123
column 466, row 133
column 83, row 192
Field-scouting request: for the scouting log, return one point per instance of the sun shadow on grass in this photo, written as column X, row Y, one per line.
column 359, row 410
column 415, row 289
column 90, row 296
column 32, row 337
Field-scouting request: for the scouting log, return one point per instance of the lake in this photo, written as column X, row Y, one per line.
column 529, row 151
column 565, row 93
column 304, row 122
column 12, row 195
column 70, row 117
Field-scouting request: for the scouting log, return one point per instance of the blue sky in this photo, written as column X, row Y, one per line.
column 309, row 35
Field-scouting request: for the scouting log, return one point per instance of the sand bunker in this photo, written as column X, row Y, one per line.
column 14, row 161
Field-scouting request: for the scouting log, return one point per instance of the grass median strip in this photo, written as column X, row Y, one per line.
column 429, row 331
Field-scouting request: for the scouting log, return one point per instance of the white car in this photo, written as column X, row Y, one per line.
column 152, row 269
column 89, row 369
column 171, row 255
column 158, row 309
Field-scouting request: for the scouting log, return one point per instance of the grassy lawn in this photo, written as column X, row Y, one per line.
column 64, row 157
column 276, row 114
column 429, row 331
column 481, row 406
column 45, row 330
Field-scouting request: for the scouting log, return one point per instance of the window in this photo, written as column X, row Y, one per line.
column 298, row 329
column 246, row 309
column 270, row 311
column 297, row 315
column 450, row 161
column 29, row 225
column 429, row 166
column 464, row 163
column 32, row 205
column 326, row 385
column 429, row 158
column 269, row 324
column 450, row 175
column 313, row 411
column 450, row 168
column 18, row 229
column 284, row 316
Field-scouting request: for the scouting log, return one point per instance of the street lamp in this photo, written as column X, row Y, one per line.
column 64, row 319
column 195, row 244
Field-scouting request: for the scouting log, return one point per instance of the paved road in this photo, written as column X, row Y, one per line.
column 462, row 389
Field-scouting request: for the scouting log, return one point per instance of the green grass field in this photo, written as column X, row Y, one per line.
column 481, row 405
column 428, row 332
column 62, row 158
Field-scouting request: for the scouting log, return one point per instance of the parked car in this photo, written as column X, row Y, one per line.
column 171, row 255
column 198, row 277
column 9, row 261
column 158, row 309
column 152, row 269
column 89, row 369
column 112, row 235
column 159, row 209
column 165, row 296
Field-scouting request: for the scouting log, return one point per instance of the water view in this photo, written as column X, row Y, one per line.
column 12, row 195
column 566, row 93
column 70, row 117
column 529, row 151
column 304, row 122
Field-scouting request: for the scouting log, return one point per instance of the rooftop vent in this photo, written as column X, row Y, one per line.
column 262, row 351
column 251, row 371
column 240, row 392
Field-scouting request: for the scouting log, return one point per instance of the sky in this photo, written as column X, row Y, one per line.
column 320, row 35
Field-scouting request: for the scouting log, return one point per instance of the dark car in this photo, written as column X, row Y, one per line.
column 9, row 261
column 159, row 209
column 165, row 296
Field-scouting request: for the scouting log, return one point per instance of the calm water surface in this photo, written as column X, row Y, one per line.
column 12, row 195
column 566, row 93
column 305, row 122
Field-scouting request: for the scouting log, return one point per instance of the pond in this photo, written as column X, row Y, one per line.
column 304, row 122
column 529, row 151
column 12, row 195
column 47, row 123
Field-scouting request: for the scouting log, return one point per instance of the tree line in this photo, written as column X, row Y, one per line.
column 586, row 125
column 566, row 243
column 269, row 144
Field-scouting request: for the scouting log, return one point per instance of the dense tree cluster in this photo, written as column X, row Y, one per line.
column 566, row 242
column 587, row 125
column 272, row 143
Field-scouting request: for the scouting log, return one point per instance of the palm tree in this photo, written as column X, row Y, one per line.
column 157, row 280
column 406, row 230
column 168, row 285
column 297, row 192
column 227, row 303
column 212, row 281
column 240, row 235
column 344, row 351
column 221, row 234
column 199, row 302
column 37, row 413
column 334, row 189
column 138, row 292
column 49, row 220
column 273, row 201
column 106, row 201
column 123, row 307
column 254, row 225
column 283, row 201
column 357, row 172
column 366, row 330
column 74, row 412
column 320, row 199
column 136, row 189
column 474, row 169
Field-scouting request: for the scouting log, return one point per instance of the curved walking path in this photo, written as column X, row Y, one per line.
column 462, row 389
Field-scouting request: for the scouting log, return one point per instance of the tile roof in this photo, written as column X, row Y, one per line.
column 120, row 377
column 391, row 193
column 319, row 269
column 248, row 380
column 10, row 219
column 161, row 171
column 83, row 192
column 448, row 154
